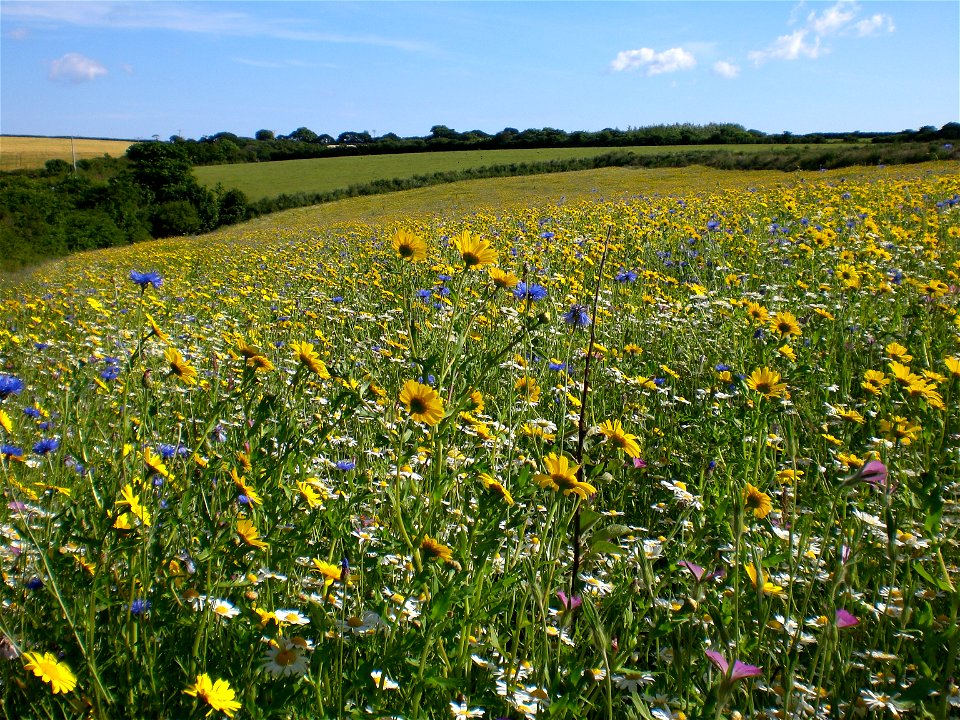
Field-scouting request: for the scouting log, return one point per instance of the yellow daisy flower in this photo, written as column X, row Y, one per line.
column 422, row 402
column 408, row 246
column 562, row 477
column 180, row 367
column 216, row 693
column 613, row 431
column 757, row 501
column 50, row 670
column 473, row 251
column 305, row 355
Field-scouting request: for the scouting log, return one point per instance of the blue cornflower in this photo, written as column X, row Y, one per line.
column 722, row 368
column 140, row 606
column 713, row 225
column 111, row 372
column 626, row 276
column 167, row 451
column 11, row 451
column 10, row 385
column 218, row 434
column 424, row 294
column 532, row 292
column 46, row 445
column 346, row 465
column 34, row 583
column 337, row 299
column 557, row 366
column 577, row 316
column 444, row 278
column 31, row 412
column 146, row 278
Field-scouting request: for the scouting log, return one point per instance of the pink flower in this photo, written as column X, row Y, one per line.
column 639, row 463
column 874, row 472
column 738, row 671
column 569, row 603
column 845, row 619
column 699, row 573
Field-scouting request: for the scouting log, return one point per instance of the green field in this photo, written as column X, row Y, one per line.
column 262, row 180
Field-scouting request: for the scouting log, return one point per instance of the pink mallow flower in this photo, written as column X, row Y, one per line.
column 845, row 619
column 569, row 603
column 737, row 672
column 699, row 573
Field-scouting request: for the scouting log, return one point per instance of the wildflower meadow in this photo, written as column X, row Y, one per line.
column 658, row 457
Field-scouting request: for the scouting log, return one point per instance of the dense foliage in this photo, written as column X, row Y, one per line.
column 226, row 147
column 660, row 457
column 107, row 202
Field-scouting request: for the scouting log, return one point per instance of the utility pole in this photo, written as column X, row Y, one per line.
column 73, row 152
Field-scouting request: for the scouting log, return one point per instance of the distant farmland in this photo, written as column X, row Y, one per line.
column 270, row 179
column 24, row 153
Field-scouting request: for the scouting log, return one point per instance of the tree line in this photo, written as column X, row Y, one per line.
column 302, row 143
column 152, row 192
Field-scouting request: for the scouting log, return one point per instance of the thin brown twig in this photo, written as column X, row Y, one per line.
column 582, row 424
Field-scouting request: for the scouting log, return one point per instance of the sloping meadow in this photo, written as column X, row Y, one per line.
column 355, row 472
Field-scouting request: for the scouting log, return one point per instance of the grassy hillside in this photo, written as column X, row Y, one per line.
column 25, row 153
column 261, row 180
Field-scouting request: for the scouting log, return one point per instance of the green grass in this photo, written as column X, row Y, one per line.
column 263, row 180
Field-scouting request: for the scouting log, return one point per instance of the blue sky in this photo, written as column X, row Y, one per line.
column 138, row 69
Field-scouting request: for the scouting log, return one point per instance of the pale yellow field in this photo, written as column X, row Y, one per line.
column 21, row 153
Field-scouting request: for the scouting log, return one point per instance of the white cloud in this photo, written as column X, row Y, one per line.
column 74, row 67
column 726, row 69
column 839, row 20
column 18, row 34
column 655, row 63
column 788, row 47
column 832, row 19
column 874, row 24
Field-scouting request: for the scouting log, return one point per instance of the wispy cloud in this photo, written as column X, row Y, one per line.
column 652, row 62
column 839, row 20
column 788, row 47
column 74, row 67
column 281, row 64
column 176, row 17
column 874, row 24
column 726, row 69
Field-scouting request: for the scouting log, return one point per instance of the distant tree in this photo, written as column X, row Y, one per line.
column 57, row 167
column 303, row 134
column 950, row 131
column 352, row 137
column 233, row 206
column 265, row 135
column 161, row 168
column 176, row 217
column 442, row 132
